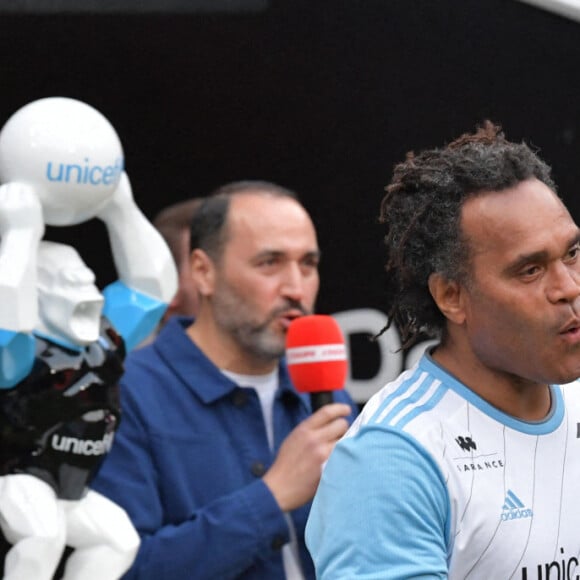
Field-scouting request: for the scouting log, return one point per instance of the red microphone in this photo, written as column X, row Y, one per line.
column 316, row 356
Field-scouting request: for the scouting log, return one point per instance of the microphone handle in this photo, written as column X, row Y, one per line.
column 320, row 398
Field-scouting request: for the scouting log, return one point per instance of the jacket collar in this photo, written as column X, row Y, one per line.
column 196, row 371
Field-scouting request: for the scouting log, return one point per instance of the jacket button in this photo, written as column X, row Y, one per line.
column 278, row 542
column 239, row 398
column 258, row 468
column 289, row 400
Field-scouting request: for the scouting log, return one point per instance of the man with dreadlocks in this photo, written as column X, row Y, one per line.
column 468, row 465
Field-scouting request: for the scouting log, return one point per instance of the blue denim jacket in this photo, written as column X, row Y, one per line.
column 187, row 461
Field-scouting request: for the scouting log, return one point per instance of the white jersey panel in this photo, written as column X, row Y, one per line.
column 512, row 485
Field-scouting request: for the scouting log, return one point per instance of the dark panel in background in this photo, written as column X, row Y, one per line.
column 130, row 6
column 323, row 97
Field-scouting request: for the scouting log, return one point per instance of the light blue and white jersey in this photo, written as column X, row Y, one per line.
column 433, row 482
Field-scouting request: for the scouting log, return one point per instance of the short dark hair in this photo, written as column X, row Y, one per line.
column 207, row 226
column 422, row 210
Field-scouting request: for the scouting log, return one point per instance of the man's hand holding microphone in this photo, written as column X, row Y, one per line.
column 317, row 363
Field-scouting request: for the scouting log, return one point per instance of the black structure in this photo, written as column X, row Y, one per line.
column 323, row 97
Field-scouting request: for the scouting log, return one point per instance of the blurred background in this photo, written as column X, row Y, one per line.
column 321, row 96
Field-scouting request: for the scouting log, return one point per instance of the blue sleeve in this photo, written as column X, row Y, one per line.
column 381, row 511
column 219, row 540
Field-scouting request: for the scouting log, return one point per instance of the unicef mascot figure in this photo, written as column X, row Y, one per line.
column 62, row 342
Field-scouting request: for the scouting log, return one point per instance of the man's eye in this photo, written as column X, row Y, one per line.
column 268, row 262
column 530, row 271
column 573, row 252
column 311, row 262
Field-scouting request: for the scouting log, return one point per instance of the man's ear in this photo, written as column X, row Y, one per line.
column 449, row 297
column 203, row 272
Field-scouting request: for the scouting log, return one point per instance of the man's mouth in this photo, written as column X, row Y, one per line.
column 571, row 327
column 287, row 317
column 571, row 331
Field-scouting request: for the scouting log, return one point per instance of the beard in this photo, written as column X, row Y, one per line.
column 257, row 337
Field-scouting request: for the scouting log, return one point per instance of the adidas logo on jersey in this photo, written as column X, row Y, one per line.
column 513, row 508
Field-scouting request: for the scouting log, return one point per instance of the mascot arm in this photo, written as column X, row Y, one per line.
column 147, row 273
column 21, row 228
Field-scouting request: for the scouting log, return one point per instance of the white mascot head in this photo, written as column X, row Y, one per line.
column 68, row 152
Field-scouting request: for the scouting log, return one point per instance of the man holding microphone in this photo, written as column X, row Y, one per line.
column 218, row 456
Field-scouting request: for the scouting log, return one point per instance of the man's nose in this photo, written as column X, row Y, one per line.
column 565, row 284
column 293, row 282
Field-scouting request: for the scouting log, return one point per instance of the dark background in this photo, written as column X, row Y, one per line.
column 322, row 96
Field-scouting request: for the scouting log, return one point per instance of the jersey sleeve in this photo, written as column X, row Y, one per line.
column 381, row 511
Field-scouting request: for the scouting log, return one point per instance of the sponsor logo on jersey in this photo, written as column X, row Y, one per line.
column 472, row 461
column 563, row 569
column 82, row 446
column 466, row 443
column 513, row 508
column 479, row 465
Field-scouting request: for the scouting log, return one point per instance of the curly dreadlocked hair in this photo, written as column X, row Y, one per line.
column 422, row 209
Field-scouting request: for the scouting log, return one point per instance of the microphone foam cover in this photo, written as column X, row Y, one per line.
column 316, row 354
